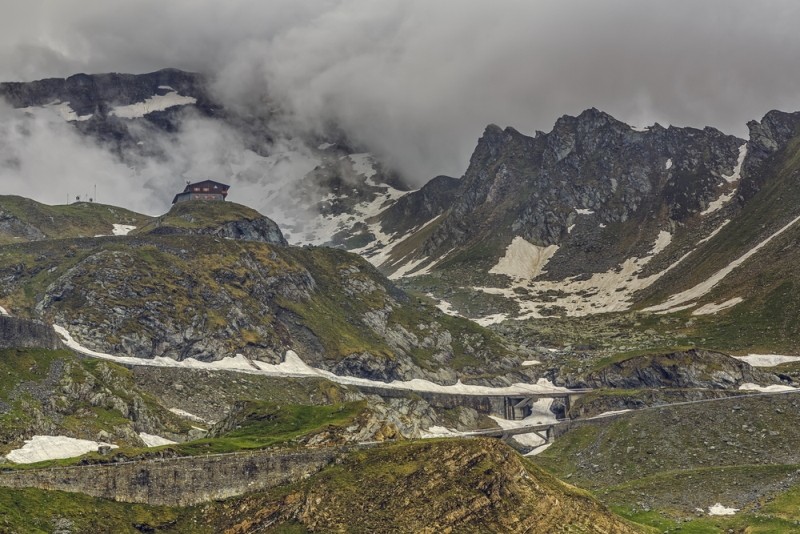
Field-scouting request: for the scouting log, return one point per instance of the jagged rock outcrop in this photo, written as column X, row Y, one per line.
column 225, row 220
column 264, row 230
column 767, row 136
column 411, row 210
column 533, row 187
column 695, row 368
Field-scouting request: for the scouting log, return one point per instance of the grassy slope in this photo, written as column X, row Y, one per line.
column 81, row 219
column 739, row 451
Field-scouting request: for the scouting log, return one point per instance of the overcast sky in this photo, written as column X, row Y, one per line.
column 418, row 80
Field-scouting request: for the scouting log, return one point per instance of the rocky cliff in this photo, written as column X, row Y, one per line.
column 226, row 220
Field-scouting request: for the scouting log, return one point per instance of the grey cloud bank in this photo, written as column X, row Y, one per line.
column 417, row 81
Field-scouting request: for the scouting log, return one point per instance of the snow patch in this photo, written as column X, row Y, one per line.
column 166, row 87
column 767, row 360
column 719, row 203
column 524, row 260
column 41, row 448
column 187, row 415
column 677, row 309
column 152, row 104
column 581, row 211
column 531, row 439
column 445, row 307
column 710, row 309
column 441, row 432
column 62, row 109
column 539, row 449
column 325, row 146
column 604, row 292
column 749, row 386
column 489, row 320
column 641, row 128
column 3, row 312
column 715, row 232
column 151, row 440
column 540, row 415
column 123, row 229
column 718, row 509
column 737, row 170
column 528, row 363
column 610, row 413
column 662, row 241
column 704, row 287
column 668, row 165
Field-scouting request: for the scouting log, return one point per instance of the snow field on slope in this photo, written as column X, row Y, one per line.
column 41, row 448
column 322, row 228
column 710, row 309
column 719, row 509
column 62, row 109
column 704, row 287
column 293, row 366
column 189, row 416
column 524, row 260
column 123, row 229
column 151, row 440
column 732, row 178
column 154, row 103
column 602, row 292
column 774, row 388
column 767, row 360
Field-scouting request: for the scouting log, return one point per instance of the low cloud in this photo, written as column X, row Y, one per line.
column 416, row 81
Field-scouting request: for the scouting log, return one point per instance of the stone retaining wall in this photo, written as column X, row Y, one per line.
column 177, row 481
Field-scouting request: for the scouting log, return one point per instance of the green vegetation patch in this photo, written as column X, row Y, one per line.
column 258, row 424
column 81, row 219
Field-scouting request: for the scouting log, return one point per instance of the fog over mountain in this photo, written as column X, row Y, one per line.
column 413, row 81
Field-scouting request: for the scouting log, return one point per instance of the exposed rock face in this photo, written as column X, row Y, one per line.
column 93, row 93
column 21, row 333
column 93, row 97
column 767, row 137
column 10, row 224
column 263, row 230
column 533, row 187
column 690, row 369
column 431, row 200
